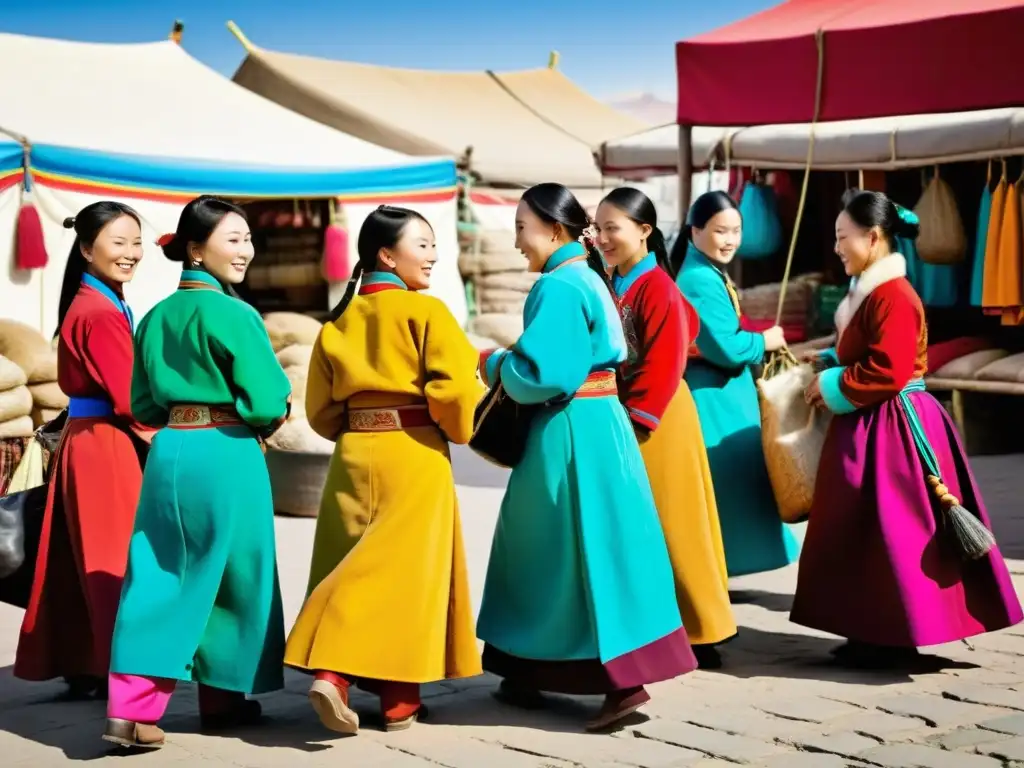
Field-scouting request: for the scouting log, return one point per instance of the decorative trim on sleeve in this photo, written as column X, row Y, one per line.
column 831, row 393
column 644, row 419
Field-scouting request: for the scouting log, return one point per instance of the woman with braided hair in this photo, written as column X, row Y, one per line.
column 392, row 381
column 579, row 596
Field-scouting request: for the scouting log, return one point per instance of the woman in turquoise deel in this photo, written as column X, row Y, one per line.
column 719, row 375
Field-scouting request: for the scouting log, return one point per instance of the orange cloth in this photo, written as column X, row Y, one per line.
column 989, row 295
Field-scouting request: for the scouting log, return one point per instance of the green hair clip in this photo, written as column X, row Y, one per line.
column 907, row 216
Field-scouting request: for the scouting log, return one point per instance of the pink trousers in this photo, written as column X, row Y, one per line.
column 145, row 699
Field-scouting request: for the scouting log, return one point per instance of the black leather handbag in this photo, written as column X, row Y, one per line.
column 501, row 427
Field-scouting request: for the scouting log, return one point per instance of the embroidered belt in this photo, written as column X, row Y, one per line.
column 89, row 407
column 391, row 419
column 203, row 417
column 600, row 384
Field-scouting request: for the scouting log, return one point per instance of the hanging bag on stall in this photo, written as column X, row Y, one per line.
column 762, row 229
column 942, row 239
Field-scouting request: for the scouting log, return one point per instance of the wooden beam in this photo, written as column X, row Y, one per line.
column 553, row 60
column 240, row 36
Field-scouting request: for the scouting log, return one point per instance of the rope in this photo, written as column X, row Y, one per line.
column 819, row 39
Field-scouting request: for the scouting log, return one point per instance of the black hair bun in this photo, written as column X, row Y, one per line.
column 69, row 222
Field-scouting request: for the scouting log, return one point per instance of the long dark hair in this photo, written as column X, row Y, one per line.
column 88, row 224
column 383, row 228
column 639, row 209
column 704, row 208
column 873, row 209
column 554, row 204
column 199, row 218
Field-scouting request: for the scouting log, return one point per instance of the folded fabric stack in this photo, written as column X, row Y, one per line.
column 24, row 406
column 292, row 337
column 497, row 272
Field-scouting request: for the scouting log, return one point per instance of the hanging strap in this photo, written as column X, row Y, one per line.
column 924, row 448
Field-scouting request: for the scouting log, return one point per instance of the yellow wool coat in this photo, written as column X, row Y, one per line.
column 388, row 595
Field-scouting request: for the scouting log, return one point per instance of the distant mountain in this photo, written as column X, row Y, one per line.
column 644, row 106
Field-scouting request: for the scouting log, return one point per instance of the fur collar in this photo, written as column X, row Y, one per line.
column 893, row 267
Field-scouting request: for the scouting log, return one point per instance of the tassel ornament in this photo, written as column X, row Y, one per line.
column 973, row 539
column 336, row 264
column 30, row 244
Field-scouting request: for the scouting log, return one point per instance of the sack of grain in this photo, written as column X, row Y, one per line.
column 520, row 281
column 42, row 416
column 472, row 264
column 27, row 348
column 48, row 395
column 11, row 375
column 793, row 435
column 504, row 329
column 482, row 342
column 295, row 354
column 483, row 295
column 491, row 307
column 297, row 376
column 15, row 403
column 287, row 328
column 297, row 435
column 45, row 370
column 497, row 241
column 17, row 428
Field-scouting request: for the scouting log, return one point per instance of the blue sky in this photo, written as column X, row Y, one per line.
column 604, row 47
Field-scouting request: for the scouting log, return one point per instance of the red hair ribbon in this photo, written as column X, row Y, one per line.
column 165, row 240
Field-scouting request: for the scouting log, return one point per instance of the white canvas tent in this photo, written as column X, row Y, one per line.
column 524, row 127
column 886, row 143
column 151, row 126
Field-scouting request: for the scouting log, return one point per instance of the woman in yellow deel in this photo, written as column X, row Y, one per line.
column 393, row 381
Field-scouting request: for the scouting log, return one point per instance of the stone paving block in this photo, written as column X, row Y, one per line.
column 963, row 738
column 1000, row 642
column 1006, row 750
column 448, row 749
column 845, row 744
column 804, row 760
column 989, row 695
column 738, row 749
column 1013, row 724
column 879, row 725
column 920, row 756
column 748, row 722
column 812, row 709
column 937, row 711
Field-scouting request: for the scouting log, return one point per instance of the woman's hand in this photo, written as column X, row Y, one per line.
column 812, row 394
column 811, row 356
column 774, row 339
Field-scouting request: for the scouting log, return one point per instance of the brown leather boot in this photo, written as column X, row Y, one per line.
column 617, row 705
column 128, row 734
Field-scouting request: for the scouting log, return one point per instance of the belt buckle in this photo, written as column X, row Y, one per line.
column 190, row 415
column 374, row 419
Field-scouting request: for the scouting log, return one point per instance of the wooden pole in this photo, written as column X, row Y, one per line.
column 553, row 60
column 240, row 36
column 685, row 171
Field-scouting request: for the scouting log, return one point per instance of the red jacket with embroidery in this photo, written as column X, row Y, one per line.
column 659, row 325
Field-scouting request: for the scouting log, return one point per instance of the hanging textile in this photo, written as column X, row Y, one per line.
column 1007, row 299
column 989, row 299
column 762, row 230
column 980, row 239
column 936, row 284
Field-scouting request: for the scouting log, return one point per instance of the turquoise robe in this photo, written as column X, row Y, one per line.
column 723, row 388
column 201, row 599
column 579, row 568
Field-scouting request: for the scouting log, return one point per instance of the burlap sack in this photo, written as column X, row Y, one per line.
column 11, row 375
column 297, row 376
column 17, row 428
column 42, row 416
column 504, row 329
column 297, row 435
column 482, row 342
column 496, row 240
column 793, row 435
column 29, row 349
column 295, row 354
column 472, row 264
column 15, row 403
column 287, row 328
column 500, row 294
column 519, row 280
column 48, row 395
column 501, row 307
column 46, row 370
column 942, row 239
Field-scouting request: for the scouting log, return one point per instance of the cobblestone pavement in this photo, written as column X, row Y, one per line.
column 777, row 704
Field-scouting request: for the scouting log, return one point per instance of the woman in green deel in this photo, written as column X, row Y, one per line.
column 201, row 599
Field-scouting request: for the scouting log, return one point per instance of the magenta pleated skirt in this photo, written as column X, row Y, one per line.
column 877, row 565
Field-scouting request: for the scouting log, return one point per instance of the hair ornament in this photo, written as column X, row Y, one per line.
column 164, row 240
column 907, row 216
